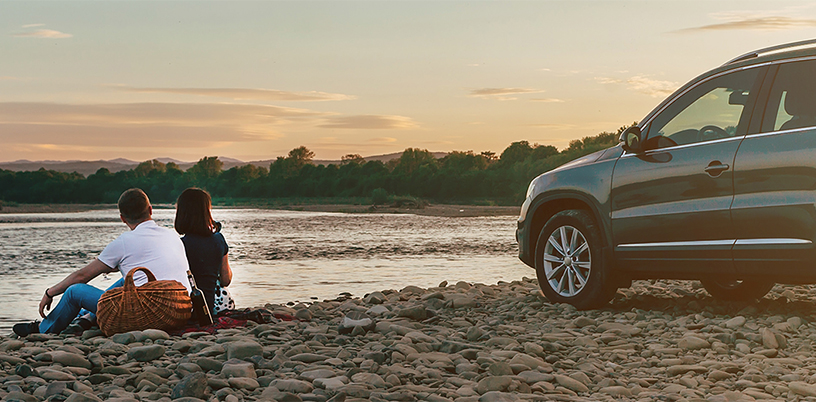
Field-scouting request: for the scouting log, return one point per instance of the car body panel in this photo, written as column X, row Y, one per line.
column 594, row 171
column 666, row 209
column 774, row 210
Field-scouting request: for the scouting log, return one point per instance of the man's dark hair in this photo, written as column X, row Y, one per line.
column 193, row 213
column 134, row 206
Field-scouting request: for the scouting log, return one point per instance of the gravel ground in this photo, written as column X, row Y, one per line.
column 659, row 340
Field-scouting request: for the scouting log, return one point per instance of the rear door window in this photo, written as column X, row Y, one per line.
column 792, row 101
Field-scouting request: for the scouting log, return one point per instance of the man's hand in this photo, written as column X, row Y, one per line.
column 83, row 275
column 45, row 303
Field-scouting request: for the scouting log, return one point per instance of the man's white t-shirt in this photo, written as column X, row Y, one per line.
column 148, row 245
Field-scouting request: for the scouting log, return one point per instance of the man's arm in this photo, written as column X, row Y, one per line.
column 83, row 275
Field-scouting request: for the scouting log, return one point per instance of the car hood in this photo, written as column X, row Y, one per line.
column 587, row 159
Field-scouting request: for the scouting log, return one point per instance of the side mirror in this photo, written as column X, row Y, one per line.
column 631, row 139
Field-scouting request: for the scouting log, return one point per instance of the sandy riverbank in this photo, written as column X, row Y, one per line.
column 430, row 210
column 662, row 340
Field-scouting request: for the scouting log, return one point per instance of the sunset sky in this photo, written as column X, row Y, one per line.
column 253, row 80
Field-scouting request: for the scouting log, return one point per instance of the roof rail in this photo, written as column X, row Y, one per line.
column 756, row 53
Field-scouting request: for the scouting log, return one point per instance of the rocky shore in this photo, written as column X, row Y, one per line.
column 663, row 340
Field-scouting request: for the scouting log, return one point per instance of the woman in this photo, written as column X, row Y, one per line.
column 207, row 250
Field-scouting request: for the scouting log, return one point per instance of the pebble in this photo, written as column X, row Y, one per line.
column 146, row 353
column 658, row 340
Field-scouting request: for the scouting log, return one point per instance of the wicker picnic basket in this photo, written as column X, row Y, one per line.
column 156, row 304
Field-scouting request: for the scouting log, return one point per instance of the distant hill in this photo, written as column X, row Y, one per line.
column 87, row 168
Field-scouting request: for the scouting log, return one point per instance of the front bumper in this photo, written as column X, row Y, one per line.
column 523, row 239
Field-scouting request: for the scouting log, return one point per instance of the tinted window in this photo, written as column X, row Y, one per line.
column 792, row 102
column 710, row 111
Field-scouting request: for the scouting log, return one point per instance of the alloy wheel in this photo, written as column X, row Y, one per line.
column 567, row 261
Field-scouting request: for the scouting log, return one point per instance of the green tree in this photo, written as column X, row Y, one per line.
column 517, row 152
column 352, row 158
column 301, row 156
column 207, row 169
column 412, row 158
column 149, row 167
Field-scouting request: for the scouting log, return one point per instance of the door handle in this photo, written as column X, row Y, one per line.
column 715, row 168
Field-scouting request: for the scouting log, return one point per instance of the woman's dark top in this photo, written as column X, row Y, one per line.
column 205, row 255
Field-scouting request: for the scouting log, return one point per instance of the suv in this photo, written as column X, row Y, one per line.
column 717, row 183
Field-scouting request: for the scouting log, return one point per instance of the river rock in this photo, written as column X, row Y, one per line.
column 233, row 368
column 527, row 360
column 571, row 384
column 55, row 375
column 146, row 353
column 417, row 312
column 192, row 385
column 496, row 396
column 735, row 322
column 499, row 383
column 693, row 343
column 243, row 349
column 308, row 357
column 802, row 388
column 154, row 334
column 356, row 319
column 70, row 359
column 82, row 397
column 243, row 383
column 293, row 386
column 769, row 339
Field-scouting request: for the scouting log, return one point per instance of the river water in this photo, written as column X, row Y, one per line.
column 276, row 256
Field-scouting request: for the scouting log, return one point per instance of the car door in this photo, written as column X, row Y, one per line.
column 774, row 209
column 670, row 204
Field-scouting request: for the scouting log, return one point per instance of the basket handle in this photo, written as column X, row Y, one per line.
column 130, row 285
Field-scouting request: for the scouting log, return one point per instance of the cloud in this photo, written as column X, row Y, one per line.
column 7, row 78
column 368, row 121
column 547, row 100
column 33, row 25
column 382, row 140
column 759, row 23
column 246, row 93
column 44, row 34
column 502, row 93
column 145, row 124
column 555, row 126
column 644, row 85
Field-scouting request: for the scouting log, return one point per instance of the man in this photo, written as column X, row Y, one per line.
column 145, row 245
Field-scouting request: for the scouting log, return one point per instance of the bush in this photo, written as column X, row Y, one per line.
column 379, row 196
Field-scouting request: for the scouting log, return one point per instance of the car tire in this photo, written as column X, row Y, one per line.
column 737, row 290
column 569, row 263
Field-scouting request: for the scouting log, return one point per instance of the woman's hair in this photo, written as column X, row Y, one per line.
column 193, row 213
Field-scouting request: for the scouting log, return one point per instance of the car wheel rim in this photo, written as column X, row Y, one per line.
column 567, row 261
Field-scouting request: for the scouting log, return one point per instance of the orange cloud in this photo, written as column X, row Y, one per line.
column 370, row 122
column 145, row 124
column 44, row 34
column 502, row 93
column 246, row 94
column 771, row 23
column 644, row 85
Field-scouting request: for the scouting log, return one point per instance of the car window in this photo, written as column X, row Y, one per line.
column 709, row 111
column 792, row 100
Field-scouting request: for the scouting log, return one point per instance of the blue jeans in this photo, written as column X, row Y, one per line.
column 77, row 297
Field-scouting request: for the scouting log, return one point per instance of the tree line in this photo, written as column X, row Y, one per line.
column 457, row 177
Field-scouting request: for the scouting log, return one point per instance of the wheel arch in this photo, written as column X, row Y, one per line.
column 545, row 207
